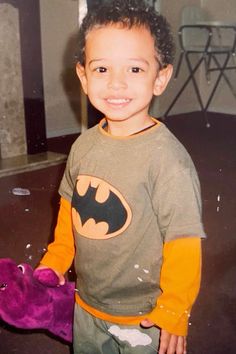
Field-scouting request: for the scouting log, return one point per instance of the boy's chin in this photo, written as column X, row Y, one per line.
column 116, row 119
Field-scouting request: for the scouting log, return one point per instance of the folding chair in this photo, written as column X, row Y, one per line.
column 214, row 51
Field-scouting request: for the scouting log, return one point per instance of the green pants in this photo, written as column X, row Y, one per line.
column 95, row 336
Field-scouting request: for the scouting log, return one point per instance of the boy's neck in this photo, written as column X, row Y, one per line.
column 128, row 127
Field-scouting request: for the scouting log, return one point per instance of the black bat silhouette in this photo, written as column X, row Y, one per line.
column 111, row 211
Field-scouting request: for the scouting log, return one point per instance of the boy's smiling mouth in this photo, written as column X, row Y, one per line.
column 118, row 101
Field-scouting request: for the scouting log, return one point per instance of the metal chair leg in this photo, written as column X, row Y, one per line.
column 217, row 81
column 189, row 78
column 194, row 81
column 179, row 65
column 225, row 76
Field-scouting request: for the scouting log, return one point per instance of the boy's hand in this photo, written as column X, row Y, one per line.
column 48, row 276
column 169, row 343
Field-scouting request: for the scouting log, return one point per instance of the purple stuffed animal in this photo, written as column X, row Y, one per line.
column 32, row 300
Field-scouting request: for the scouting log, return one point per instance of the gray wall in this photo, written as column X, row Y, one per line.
column 12, row 122
column 59, row 25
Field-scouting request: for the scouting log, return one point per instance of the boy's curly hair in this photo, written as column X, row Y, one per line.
column 129, row 13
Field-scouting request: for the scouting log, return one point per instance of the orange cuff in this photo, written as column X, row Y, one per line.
column 180, row 283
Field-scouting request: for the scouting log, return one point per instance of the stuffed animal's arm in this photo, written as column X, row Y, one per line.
column 48, row 277
column 61, row 251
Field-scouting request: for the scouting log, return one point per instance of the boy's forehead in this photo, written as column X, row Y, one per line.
column 112, row 35
column 118, row 27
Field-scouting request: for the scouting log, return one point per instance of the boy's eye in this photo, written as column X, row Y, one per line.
column 136, row 69
column 101, row 69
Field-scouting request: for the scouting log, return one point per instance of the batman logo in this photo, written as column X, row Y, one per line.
column 99, row 211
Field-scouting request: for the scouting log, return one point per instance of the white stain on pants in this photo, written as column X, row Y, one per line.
column 133, row 336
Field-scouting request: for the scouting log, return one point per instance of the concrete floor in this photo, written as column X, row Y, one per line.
column 31, row 220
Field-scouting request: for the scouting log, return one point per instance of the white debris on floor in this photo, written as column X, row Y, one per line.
column 20, row 191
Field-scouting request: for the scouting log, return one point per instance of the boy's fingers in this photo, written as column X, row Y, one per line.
column 61, row 279
column 172, row 344
column 181, row 345
column 164, row 341
column 147, row 323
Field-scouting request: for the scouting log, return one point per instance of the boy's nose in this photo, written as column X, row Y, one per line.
column 117, row 80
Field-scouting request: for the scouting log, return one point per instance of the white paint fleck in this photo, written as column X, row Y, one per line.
column 41, row 250
column 30, row 258
column 27, row 209
column 146, row 271
column 28, row 245
column 217, row 209
column 136, row 266
column 140, row 279
column 218, row 198
column 20, row 191
column 133, row 336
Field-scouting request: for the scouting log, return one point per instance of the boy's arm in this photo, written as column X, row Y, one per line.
column 60, row 252
column 180, row 282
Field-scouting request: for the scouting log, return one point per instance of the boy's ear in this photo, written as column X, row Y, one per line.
column 80, row 71
column 162, row 80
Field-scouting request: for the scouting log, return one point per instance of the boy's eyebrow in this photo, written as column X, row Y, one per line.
column 142, row 60
column 95, row 60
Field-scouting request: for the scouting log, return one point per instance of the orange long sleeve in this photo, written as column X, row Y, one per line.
column 61, row 251
column 180, row 282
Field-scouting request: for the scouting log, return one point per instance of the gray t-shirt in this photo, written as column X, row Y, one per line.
column 129, row 196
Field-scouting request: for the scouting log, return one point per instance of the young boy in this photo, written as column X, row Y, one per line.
column 130, row 193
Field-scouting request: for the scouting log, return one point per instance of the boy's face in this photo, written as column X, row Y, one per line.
column 121, row 73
